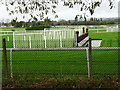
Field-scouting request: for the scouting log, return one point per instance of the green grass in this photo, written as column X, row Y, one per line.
column 105, row 61
column 47, row 64
column 11, row 28
column 104, row 35
column 110, row 39
column 64, row 27
column 95, row 27
column 44, row 64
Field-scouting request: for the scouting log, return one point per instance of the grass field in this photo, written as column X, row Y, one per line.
column 11, row 28
column 42, row 64
column 110, row 39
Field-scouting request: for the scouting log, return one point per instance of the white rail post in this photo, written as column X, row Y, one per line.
column 30, row 41
column 24, row 37
column 8, row 38
column 54, row 35
column 45, row 37
column 73, row 34
column 13, row 39
column 11, row 67
column 60, row 41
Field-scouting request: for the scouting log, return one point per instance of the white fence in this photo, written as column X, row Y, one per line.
column 113, row 28
column 44, row 38
column 41, row 38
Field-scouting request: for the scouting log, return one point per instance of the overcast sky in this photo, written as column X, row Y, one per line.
column 69, row 13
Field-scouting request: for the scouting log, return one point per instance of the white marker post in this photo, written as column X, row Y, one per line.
column 45, row 37
column 54, row 35
column 13, row 39
column 45, row 40
column 30, row 41
column 60, row 41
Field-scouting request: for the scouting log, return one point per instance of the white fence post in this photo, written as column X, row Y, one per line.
column 24, row 37
column 11, row 69
column 54, row 35
column 45, row 37
column 30, row 41
column 45, row 40
column 13, row 39
column 8, row 38
column 60, row 41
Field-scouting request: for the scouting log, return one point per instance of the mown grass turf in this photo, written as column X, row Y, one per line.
column 110, row 39
column 104, row 35
column 42, row 64
column 12, row 28
column 96, row 27
column 71, row 63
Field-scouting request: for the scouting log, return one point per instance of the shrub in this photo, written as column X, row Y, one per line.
column 37, row 27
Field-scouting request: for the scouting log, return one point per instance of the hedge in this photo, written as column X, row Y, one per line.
column 37, row 28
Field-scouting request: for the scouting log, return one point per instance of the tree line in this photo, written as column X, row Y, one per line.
column 48, row 22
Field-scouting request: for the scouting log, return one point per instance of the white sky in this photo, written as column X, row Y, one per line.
column 69, row 13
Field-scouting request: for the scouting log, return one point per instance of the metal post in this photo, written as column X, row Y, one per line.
column 88, row 62
column 11, row 69
column 5, row 58
column 90, row 59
